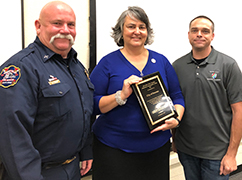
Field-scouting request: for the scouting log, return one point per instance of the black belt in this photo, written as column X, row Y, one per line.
column 49, row 165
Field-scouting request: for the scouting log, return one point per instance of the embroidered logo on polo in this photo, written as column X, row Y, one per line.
column 9, row 76
column 214, row 75
column 53, row 80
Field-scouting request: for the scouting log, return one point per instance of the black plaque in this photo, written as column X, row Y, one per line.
column 154, row 100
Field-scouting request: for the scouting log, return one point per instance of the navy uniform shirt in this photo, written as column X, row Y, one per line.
column 45, row 109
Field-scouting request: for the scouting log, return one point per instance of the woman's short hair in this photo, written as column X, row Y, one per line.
column 132, row 12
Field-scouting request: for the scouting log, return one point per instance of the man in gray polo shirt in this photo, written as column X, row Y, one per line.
column 211, row 128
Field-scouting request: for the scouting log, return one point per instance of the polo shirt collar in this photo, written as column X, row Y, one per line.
column 209, row 60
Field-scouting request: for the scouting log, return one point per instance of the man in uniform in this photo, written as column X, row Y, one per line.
column 46, row 104
column 209, row 135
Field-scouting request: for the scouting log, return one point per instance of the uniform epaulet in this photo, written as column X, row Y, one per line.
column 25, row 52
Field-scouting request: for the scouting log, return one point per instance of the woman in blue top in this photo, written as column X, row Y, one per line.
column 124, row 148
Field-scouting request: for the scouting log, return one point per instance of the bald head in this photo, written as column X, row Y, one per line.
column 56, row 27
column 47, row 10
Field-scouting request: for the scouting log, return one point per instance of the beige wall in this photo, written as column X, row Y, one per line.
column 81, row 7
column 10, row 18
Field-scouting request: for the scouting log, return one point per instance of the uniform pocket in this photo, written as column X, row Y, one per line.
column 54, row 101
column 57, row 90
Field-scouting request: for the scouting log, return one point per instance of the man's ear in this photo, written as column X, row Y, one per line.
column 37, row 26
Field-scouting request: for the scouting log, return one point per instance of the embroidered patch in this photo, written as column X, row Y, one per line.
column 53, row 80
column 9, row 76
column 214, row 75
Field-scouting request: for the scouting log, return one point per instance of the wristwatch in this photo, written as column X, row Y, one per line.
column 178, row 122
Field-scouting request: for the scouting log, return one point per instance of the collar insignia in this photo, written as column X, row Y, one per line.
column 46, row 56
column 9, row 76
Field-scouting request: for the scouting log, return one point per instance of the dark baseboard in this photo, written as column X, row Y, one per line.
column 231, row 174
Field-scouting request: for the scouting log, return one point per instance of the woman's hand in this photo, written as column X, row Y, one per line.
column 172, row 122
column 127, row 90
column 107, row 103
column 169, row 124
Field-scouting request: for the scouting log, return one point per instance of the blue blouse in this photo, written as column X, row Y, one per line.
column 125, row 127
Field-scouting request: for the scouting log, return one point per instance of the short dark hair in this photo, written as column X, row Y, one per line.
column 133, row 12
column 202, row 17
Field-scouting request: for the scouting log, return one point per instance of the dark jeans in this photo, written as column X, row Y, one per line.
column 200, row 169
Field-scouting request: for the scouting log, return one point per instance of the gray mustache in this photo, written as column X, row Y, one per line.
column 63, row 37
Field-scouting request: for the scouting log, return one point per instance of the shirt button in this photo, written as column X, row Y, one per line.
column 197, row 74
column 60, row 92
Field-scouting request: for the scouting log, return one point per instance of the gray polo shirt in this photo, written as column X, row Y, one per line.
column 208, row 89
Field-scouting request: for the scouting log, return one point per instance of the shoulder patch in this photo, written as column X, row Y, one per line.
column 9, row 76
